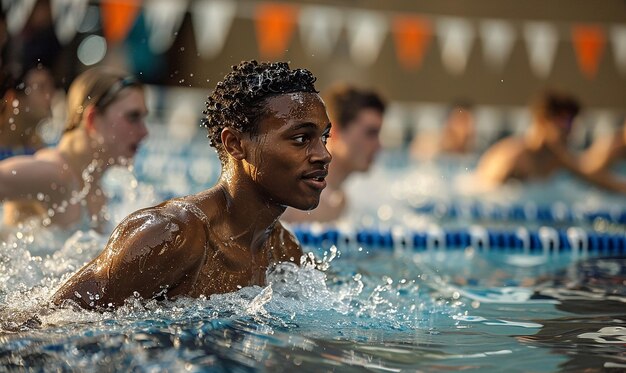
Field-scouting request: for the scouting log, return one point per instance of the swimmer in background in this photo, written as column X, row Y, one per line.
column 543, row 149
column 457, row 137
column 60, row 186
column 357, row 117
column 269, row 127
column 25, row 103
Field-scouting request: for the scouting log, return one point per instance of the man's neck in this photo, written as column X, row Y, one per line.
column 249, row 217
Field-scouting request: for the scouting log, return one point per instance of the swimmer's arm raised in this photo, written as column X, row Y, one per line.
column 147, row 254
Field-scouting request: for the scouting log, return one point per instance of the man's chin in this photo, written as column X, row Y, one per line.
column 308, row 207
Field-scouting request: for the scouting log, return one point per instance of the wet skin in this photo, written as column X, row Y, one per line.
column 228, row 236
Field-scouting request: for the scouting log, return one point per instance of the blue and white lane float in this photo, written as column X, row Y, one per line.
column 554, row 213
column 522, row 240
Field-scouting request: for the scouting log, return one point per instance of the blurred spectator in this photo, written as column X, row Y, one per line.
column 357, row 118
column 455, row 138
column 61, row 185
column 542, row 150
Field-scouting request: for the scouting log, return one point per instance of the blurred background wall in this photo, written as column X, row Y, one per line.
column 422, row 55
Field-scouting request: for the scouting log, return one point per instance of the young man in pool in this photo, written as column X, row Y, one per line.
column 543, row 149
column 269, row 127
column 357, row 117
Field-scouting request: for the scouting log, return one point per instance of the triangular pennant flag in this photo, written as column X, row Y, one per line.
column 412, row 35
column 118, row 17
column 618, row 41
column 67, row 15
column 274, row 28
column 589, row 44
column 211, row 23
column 320, row 27
column 456, row 37
column 163, row 19
column 541, row 41
column 497, row 39
column 366, row 33
column 17, row 13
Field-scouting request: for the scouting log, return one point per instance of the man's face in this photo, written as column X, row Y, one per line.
column 560, row 127
column 357, row 144
column 122, row 124
column 288, row 157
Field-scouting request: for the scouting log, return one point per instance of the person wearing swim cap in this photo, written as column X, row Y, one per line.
column 269, row 127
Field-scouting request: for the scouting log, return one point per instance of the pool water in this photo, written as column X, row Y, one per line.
column 358, row 308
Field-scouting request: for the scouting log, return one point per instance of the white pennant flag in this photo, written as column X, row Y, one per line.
column 163, row 20
column 618, row 40
column 456, row 37
column 67, row 16
column 541, row 42
column 320, row 27
column 497, row 38
column 17, row 13
column 211, row 23
column 366, row 33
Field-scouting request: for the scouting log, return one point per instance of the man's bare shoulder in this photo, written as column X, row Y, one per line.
column 500, row 161
column 510, row 146
column 152, row 249
column 172, row 216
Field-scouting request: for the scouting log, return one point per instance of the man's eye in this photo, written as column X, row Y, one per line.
column 300, row 139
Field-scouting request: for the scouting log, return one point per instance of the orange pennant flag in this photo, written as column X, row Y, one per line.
column 589, row 44
column 118, row 16
column 274, row 27
column 412, row 35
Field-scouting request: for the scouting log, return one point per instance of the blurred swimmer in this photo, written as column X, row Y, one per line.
column 61, row 186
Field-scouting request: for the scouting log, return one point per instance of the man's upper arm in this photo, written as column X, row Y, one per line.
column 147, row 254
column 497, row 164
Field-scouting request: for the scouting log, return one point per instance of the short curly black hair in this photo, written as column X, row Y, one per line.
column 238, row 101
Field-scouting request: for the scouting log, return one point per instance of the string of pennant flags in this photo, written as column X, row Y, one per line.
column 321, row 26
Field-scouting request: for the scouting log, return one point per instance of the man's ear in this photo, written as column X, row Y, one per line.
column 335, row 132
column 233, row 143
column 89, row 117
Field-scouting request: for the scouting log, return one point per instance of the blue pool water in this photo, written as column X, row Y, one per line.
column 364, row 306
